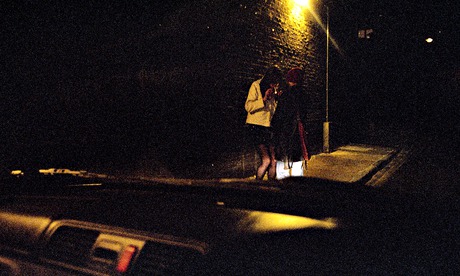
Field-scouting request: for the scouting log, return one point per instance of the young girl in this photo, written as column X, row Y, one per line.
column 261, row 105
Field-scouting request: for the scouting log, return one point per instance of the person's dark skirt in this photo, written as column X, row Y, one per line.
column 260, row 135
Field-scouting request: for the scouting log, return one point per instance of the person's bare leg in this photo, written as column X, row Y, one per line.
column 272, row 169
column 265, row 161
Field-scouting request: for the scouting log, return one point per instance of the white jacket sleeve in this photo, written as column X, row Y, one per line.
column 254, row 101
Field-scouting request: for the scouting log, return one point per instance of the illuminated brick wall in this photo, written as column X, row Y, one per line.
column 195, row 67
column 209, row 53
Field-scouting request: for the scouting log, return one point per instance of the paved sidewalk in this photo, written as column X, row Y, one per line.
column 351, row 163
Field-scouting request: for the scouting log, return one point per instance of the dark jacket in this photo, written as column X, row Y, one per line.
column 291, row 106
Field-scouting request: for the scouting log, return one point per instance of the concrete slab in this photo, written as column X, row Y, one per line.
column 350, row 163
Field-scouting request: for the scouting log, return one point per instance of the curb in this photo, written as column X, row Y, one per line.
column 380, row 165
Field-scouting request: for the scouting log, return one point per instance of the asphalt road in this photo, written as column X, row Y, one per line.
column 428, row 166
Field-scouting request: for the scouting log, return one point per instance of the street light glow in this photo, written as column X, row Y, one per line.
column 429, row 40
column 303, row 3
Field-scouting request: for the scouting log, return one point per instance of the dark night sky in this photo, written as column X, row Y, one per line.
column 404, row 20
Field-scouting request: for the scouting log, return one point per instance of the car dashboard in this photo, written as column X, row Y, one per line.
column 73, row 247
column 140, row 228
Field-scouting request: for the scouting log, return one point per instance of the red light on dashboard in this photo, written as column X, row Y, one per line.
column 126, row 258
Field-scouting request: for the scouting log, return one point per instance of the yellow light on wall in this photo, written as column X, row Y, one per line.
column 295, row 28
column 297, row 14
column 298, row 17
column 303, row 3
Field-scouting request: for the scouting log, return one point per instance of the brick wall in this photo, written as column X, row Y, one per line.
column 195, row 67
